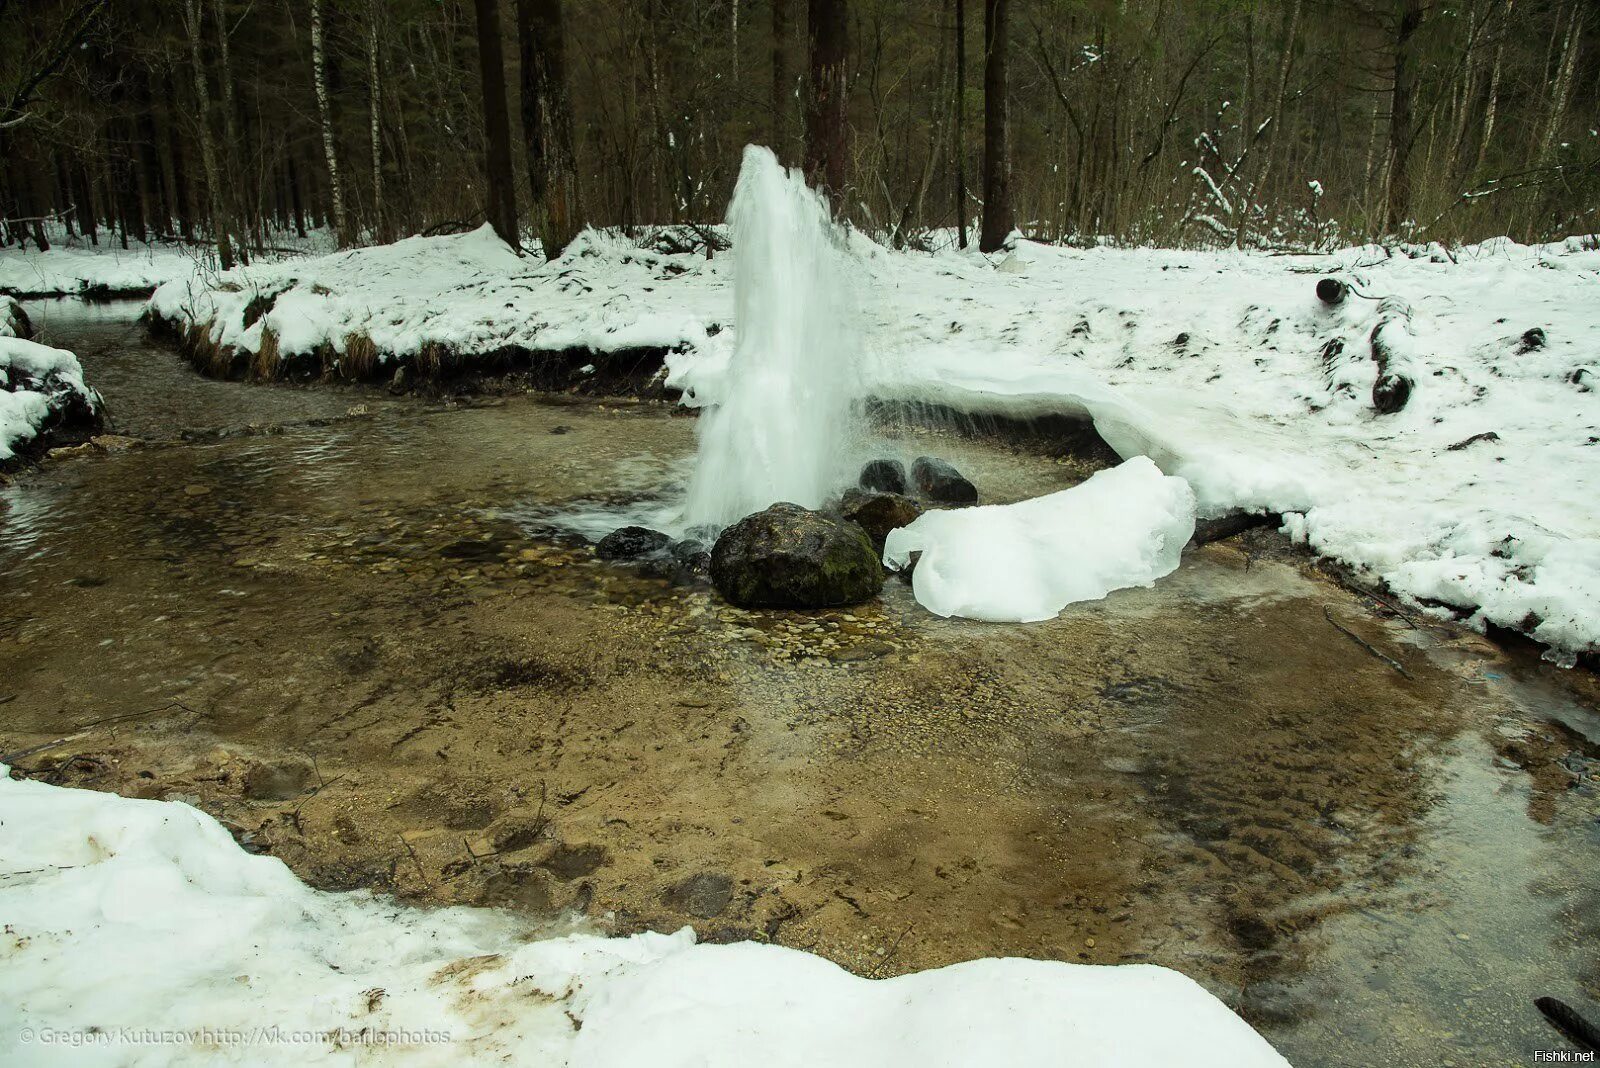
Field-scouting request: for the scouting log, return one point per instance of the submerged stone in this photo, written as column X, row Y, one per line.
column 884, row 476
column 941, row 482
column 790, row 557
column 630, row 543
column 879, row 513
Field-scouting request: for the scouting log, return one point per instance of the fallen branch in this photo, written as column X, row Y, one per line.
column 1359, row 640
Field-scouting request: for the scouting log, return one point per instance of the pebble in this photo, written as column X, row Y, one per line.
column 195, row 489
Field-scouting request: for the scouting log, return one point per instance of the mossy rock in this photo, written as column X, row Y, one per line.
column 790, row 557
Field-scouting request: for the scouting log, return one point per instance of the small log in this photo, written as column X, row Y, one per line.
column 1565, row 1018
column 1331, row 291
column 1394, row 351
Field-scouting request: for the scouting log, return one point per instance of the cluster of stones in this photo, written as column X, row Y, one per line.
column 787, row 556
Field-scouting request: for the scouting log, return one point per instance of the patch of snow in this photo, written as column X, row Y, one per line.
column 1025, row 562
column 36, row 381
column 67, row 271
column 138, row 932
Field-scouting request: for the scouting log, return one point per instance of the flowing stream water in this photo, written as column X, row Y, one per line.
column 1372, row 867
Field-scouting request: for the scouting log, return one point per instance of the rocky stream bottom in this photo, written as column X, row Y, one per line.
column 338, row 632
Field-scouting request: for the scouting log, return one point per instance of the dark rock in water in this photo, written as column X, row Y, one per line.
column 401, row 381
column 16, row 318
column 561, row 430
column 630, row 543
column 884, row 476
column 282, row 781
column 693, row 555
column 878, row 513
column 940, row 482
column 790, row 557
column 703, row 896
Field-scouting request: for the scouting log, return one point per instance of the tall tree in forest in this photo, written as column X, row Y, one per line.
column 827, row 137
column 1402, row 133
column 997, row 213
column 319, row 76
column 960, row 152
column 231, row 148
column 208, row 149
column 780, row 76
column 547, row 123
column 374, row 126
column 499, row 187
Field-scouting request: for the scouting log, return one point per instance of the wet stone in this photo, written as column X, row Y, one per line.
column 276, row 781
column 879, row 513
column 884, row 476
column 940, row 482
column 631, row 543
column 703, row 896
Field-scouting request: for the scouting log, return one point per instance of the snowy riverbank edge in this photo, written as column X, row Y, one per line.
column 43, row 397
column 138, row 932
column 1477, row 501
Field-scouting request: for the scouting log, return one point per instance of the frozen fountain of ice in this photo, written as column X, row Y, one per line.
column 780, row 429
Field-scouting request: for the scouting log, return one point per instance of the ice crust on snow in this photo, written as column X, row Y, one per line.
column 1208, row 362
column 34, row 381
column 129, row 914
column 1025, row 562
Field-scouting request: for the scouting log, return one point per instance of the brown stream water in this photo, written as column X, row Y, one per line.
column 338, row 631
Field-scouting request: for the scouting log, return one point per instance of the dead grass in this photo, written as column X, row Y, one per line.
column 360, row 360
column 265, row 364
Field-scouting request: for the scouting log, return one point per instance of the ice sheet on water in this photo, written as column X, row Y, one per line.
column 1025, row 562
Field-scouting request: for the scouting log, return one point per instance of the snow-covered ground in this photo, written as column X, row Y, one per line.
column 108, row 270
column 39, row 385
column 138, row 932
column 1477, row 499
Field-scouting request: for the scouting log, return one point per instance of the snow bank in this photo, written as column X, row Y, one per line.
column 1209, row 363
column 104, row 271
column 1021, row 563
column 40, row 388
column 467, row 293
column 137, row 932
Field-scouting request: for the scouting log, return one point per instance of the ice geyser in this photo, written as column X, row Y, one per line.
column 780, row 429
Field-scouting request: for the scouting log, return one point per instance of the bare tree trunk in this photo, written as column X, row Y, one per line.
column 1492, row 105
column 780, row 76
column 1401, row 132
column 826, row 135
column 208, row 148
column 961, row 123
column 1563, row 88
column 319, row 74
column 374, row 98
column 230, row 135
column 1258, row 190
column 547, row 123
column 501, row 207
column 998, row 221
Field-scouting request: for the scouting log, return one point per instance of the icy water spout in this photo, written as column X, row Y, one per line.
column 779, row 429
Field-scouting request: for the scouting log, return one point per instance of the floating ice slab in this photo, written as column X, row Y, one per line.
column 1021, row 563
column 137, row 932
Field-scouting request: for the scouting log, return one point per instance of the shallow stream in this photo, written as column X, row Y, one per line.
column 332, row 618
